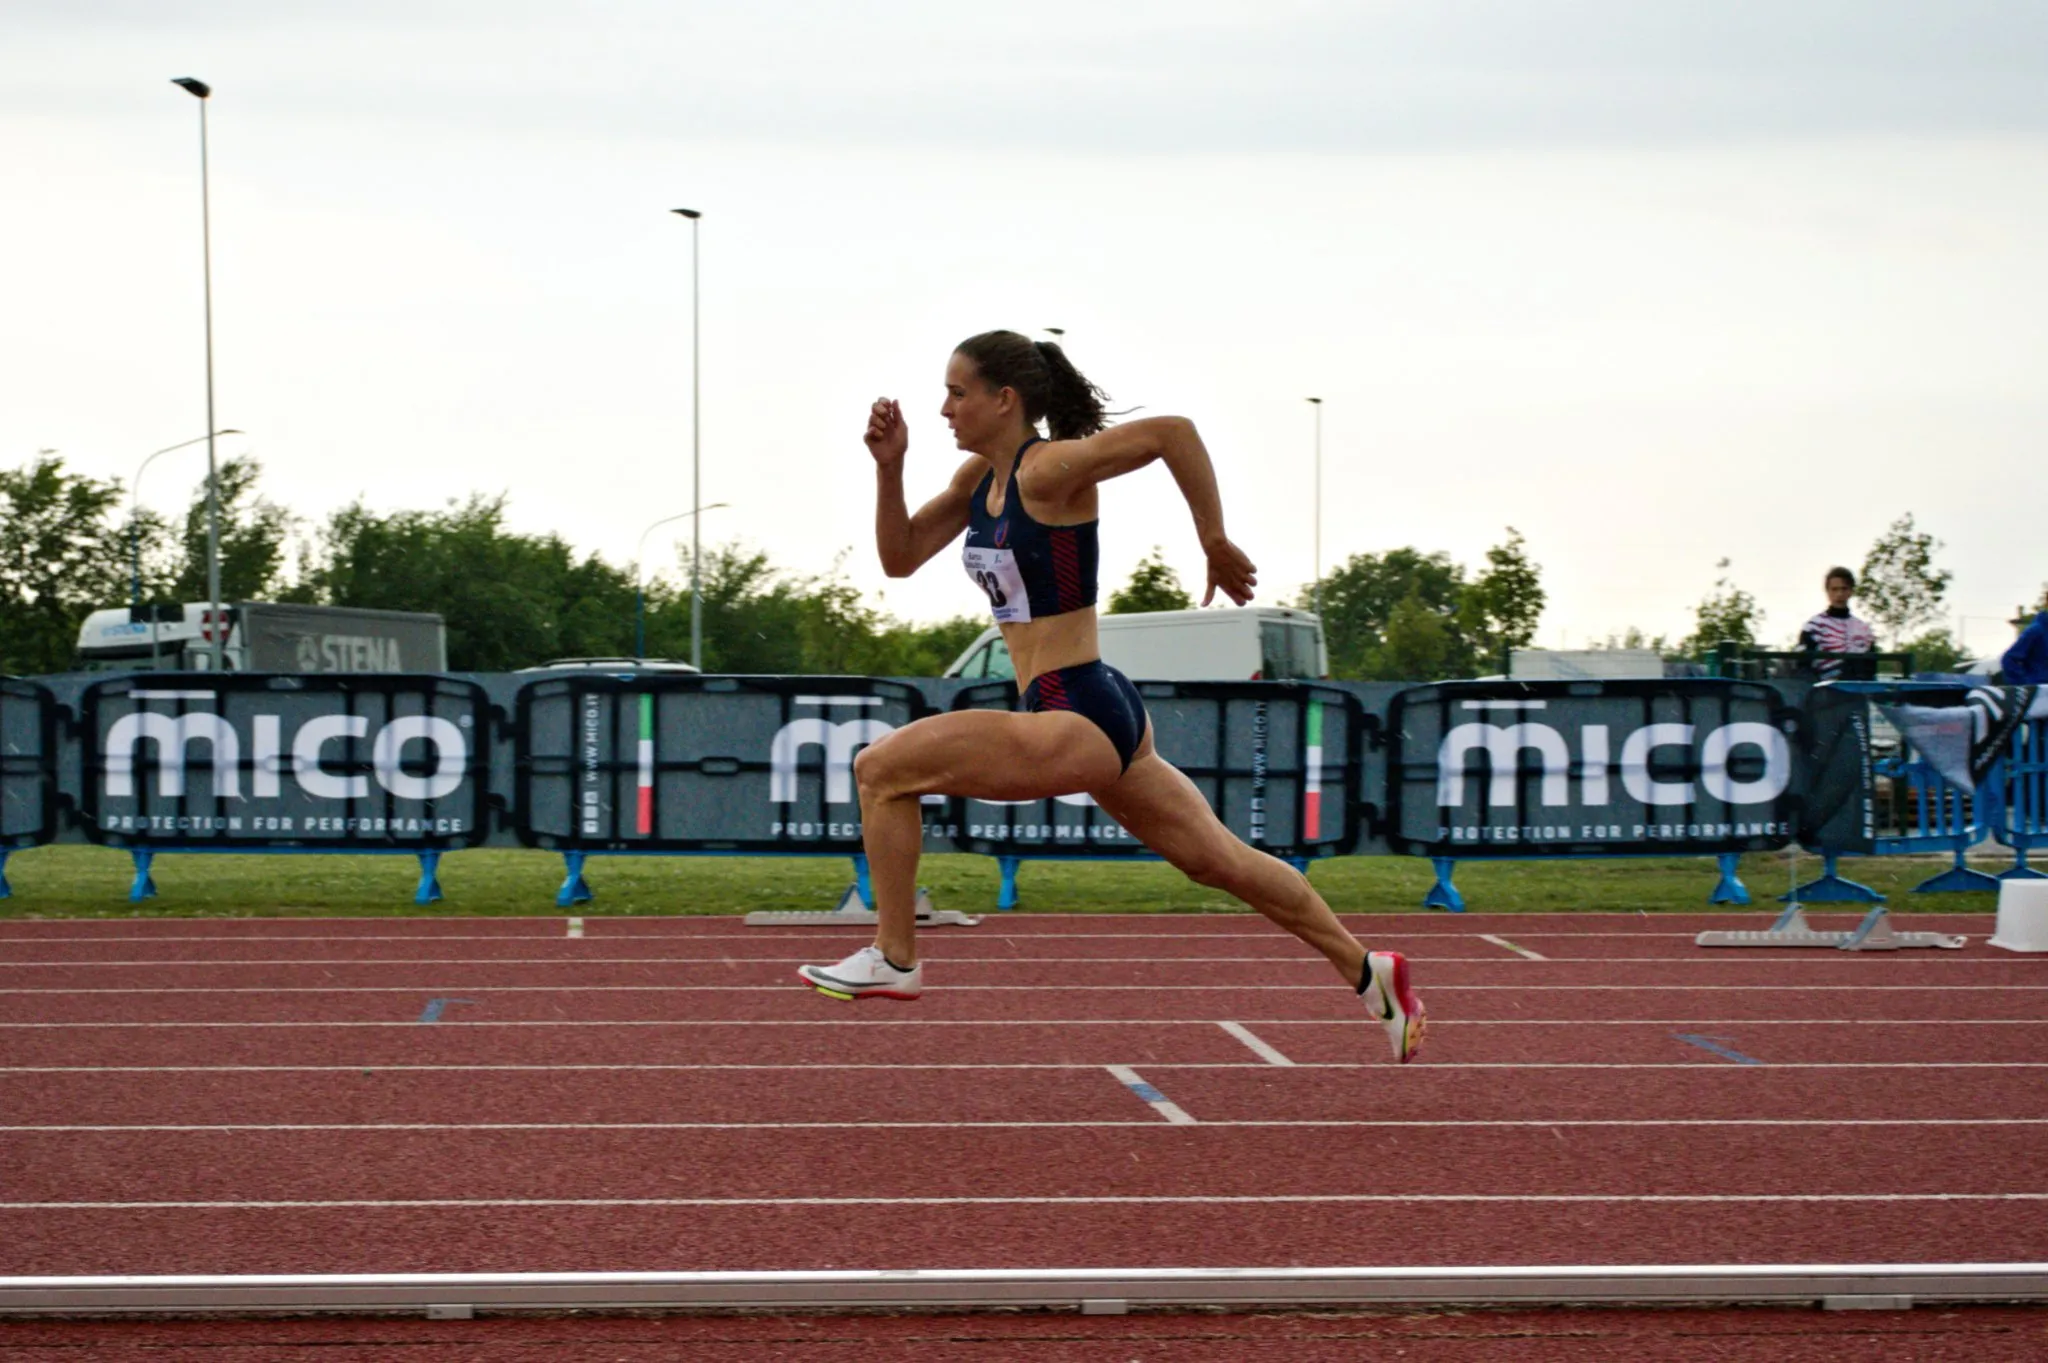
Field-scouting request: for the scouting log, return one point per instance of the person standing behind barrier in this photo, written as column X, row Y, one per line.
column 1028, row 507
column 1835, row 631
column 2026, row 662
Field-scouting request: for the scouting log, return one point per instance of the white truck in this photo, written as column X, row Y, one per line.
column 262, row 636
column 1232, row 643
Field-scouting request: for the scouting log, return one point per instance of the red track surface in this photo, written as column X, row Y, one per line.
column 200, row 1096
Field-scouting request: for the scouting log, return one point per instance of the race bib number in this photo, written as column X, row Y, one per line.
column 995, row 572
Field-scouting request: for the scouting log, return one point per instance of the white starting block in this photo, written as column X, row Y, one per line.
column 853, row 913
column 1874, row 933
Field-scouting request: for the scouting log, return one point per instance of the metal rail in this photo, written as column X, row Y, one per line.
column 1093, row 1291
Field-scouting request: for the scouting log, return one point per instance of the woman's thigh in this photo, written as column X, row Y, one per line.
column 1157, row 804
column 990, row 755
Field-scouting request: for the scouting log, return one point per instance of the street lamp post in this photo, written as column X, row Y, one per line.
column 135, row 512
column 200, row 91
column 640, row 580
column 1317, row 403
column 696, row 471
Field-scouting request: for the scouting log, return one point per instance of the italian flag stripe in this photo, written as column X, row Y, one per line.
column 646, row 821
column 1312, row 793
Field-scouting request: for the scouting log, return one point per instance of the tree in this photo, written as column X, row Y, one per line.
column 252, row 538
column 60, row 558
column 1900, row 587
column 1935, row 651
column 1729, row 615
column 1499, row 611
column 1153, row 587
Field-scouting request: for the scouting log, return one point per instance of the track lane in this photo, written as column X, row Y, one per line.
column 1160, row 1161
column 514, row 1239
column 1264, row 1093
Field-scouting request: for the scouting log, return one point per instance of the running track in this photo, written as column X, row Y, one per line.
column 443, row 1095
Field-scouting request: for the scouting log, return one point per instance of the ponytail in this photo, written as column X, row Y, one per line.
column 1053, row 390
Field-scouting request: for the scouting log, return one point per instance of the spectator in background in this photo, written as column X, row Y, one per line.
column 2026, row 662
column 1836, row 631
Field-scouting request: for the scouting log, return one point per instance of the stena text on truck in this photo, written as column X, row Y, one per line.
column 261, row 636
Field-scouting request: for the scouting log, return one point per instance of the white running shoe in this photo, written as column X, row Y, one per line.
column 866, row 974
column 1390, row 999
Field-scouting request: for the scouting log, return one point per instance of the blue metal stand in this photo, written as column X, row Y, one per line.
column 1831, row 888
column 1299, row 863
column 145, row 885
column 5, row 889
column 1006, row 898
column 1957, row 879
column 429, row 891
column 861, row 881
column 575, row 889
column 1729, row 889
column 1443, row 894
column 2019, row 869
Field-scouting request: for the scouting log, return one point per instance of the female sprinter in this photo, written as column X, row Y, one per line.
column 1029, row 509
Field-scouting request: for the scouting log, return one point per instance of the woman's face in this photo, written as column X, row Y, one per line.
column 980, row 416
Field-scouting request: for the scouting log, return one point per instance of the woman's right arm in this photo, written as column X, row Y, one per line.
column 906, row 542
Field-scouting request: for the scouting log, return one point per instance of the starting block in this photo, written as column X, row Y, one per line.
column 853, row 912
column 1874, row 933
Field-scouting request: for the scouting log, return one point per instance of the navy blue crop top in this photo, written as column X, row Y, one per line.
column 1028, row 570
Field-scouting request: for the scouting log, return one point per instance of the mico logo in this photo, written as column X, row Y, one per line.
column 1503, row 745
column 174, row 735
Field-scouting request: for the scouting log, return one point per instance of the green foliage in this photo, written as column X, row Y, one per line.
column 1935, row 651
column 1728, row 615
column 60, row 557
column 252, row 538
column 1899, row 587
column 1153, row 587
column 1409, row 616
column 1633, row 637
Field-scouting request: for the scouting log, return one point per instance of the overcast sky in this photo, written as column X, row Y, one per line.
column 1657, row 282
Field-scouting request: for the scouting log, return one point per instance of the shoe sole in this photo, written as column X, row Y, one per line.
column 855, row 996
column 1415, row 1016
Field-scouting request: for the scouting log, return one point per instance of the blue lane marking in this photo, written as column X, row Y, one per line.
column 432, row 1012
column 1706, row 1043
column 1147, row 1092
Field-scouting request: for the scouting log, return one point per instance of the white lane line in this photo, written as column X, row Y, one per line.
column 1159, row 1102
column 1064, row 988
column 469, row 1025
column 1129, row 1200
column 1708, row 1067
column 575, row 928
column 1269, row 1054
column 1268, row 958
column 1166, row 1110
column 1945, row 922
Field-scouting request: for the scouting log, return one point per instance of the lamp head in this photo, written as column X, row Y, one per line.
column 1317, row 401
column 198, row 89
column 690, row 213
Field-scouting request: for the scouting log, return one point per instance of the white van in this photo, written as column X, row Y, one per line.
column 1232, row 643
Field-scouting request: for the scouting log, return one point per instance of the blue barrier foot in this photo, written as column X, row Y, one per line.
column 575, row 889
column 861, row 881
column 1443, row 894
column 1831, row 889
column 1957, row 879
column 6, row 890
column 1006, row 898
column 2023, row 872
column 144, row 886
column 430, row 879
column 1729, row 889
column 1298, row 863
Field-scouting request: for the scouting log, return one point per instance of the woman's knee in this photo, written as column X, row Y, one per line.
column 873, row 772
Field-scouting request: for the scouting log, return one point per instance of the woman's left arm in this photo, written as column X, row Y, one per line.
column 1070, row 465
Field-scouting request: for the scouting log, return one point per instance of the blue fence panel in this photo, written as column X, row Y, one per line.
column 2023, row 822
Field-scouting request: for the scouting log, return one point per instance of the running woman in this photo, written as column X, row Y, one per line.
column 1028, row 506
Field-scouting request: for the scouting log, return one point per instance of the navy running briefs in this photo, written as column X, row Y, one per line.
column 1099, row 694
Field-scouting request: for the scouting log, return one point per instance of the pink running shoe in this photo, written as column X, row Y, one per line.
column 1390, row 999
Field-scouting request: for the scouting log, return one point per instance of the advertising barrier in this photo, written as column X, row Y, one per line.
column 1526, row 769
column 244, row 762
column 28, row 768
column 597, row 764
